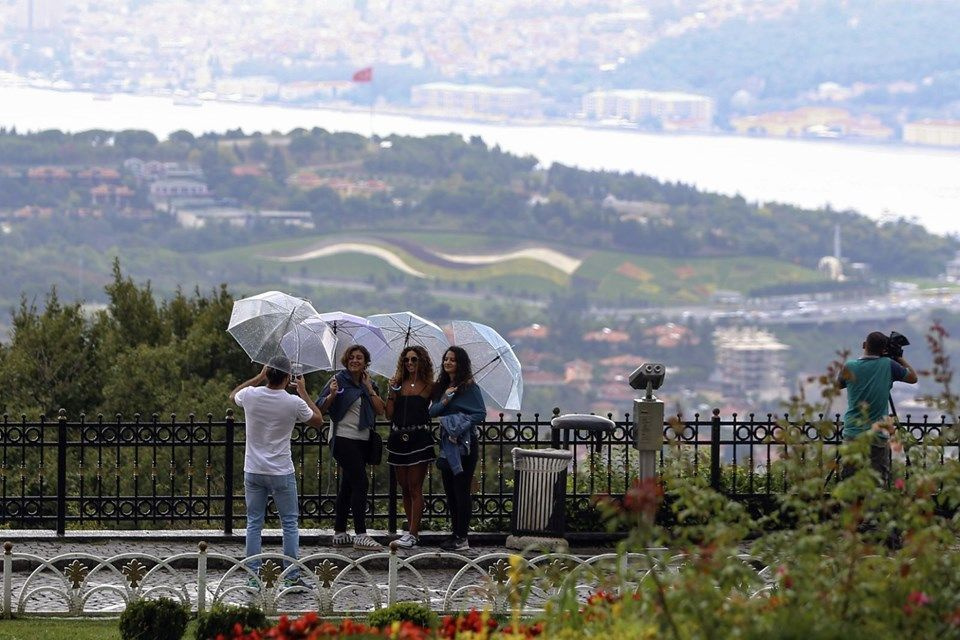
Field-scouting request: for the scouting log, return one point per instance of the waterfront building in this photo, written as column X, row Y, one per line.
column 475, row 99
column 672, row 110
column 940, row 133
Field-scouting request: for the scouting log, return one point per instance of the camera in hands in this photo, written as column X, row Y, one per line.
column 895, row 344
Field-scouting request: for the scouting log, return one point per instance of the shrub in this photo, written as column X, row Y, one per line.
column 403, row 611
column 161, row 619
column 222, row 618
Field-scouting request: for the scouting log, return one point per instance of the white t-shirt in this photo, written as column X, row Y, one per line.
column 270, row 417
column 349, row 425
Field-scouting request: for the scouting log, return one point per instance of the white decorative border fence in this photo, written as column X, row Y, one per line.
column 82, row 584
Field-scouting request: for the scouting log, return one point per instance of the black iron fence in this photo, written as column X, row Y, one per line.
column 172, row 473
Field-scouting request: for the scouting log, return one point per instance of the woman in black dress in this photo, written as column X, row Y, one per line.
column 410, row 445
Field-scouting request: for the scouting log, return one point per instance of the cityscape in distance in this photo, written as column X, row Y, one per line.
column 865, row 71
column 587, row 272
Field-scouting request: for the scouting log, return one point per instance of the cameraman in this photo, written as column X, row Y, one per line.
column 868, row 380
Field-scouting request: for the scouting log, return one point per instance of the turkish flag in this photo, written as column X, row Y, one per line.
column 364, row 75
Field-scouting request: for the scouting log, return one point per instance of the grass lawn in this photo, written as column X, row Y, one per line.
column 66, row 629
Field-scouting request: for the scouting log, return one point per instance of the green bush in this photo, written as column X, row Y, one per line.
column 223, row 617
column 161, row 619
column 400, row 611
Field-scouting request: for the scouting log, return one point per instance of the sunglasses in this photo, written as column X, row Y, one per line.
column 412, row 359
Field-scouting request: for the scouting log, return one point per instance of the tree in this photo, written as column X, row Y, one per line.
column 132, row 313
column 51, row 362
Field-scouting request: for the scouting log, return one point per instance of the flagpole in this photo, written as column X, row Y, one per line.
column 371, row 108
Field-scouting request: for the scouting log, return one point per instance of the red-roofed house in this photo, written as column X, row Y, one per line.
column 533, row 332
column 117, row 195
column 578, row 372
column 608, row 335
column 248, row 171
column 670, row 335
column 49, row 174
column 98, row 174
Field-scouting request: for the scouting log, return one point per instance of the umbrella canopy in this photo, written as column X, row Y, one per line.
column 261, row 322
column 496, row 369
column 350, row 330
column 405, row 329
column 311, row 344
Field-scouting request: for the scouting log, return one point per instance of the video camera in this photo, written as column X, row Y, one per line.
column 895, row 344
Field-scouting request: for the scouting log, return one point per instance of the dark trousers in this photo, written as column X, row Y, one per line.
column 457, row 488
column 351, row 455
column 879, row 461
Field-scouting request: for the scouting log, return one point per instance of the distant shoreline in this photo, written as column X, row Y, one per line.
column 480, row 119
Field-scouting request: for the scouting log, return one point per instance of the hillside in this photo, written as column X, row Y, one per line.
column 443, row 214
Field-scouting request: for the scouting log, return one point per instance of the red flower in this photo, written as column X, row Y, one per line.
column 472, row 621
column 785, row 578
column 918, row 598
column 899, row 484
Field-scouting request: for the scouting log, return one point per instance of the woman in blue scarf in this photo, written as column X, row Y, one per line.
column 353, row 405
column 459, row 405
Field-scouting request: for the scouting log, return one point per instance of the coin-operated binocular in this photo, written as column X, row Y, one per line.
column 648, row 412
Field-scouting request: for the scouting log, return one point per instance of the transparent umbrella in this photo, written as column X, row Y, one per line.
column 349, row 330
column 404, row 329
column 496, row 369
column 310, row 345
column 268, row 324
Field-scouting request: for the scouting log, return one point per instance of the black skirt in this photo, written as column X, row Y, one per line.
column 410, row 446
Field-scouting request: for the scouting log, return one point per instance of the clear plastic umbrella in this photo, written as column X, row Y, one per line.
column 496, row 368
column 349, row 330
column 404, row 329
column 311, row 346
column 270, row 324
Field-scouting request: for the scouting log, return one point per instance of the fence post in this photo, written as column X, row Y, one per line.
column 555, row 433
column 228, row 474
column 392, row 574
column 392, row 500
column 7, row 579
column 201, row 577
column 61, row 472
column 715, row 450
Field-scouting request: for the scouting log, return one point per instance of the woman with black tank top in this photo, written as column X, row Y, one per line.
column 410, row 445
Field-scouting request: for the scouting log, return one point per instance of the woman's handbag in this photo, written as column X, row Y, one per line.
column 374, row 448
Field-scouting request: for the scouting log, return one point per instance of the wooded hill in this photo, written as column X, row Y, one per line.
column 448, row 183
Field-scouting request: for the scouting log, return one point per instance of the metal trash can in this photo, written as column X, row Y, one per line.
column 540, row 482
column 539, row 492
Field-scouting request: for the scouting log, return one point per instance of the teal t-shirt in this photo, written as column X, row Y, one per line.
column 869, row 383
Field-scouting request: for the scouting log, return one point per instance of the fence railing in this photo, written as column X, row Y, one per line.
column 173, row 473
column 83, row 584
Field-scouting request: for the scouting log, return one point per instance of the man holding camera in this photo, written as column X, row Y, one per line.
column 270, row 415
column 868, row 380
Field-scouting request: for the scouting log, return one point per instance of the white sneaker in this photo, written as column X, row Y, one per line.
column 407, row 541
column 342, row 539
column 363, row 542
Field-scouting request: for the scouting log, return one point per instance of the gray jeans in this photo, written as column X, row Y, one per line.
column 879, row 462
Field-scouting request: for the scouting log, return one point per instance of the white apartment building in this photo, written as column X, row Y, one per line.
column 177, row 188
column 684, row 110
column 750, row 364
column 472, row 99
column 940, row 133
column 40, row 15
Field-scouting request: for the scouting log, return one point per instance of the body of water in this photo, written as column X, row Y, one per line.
column 878, row 180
